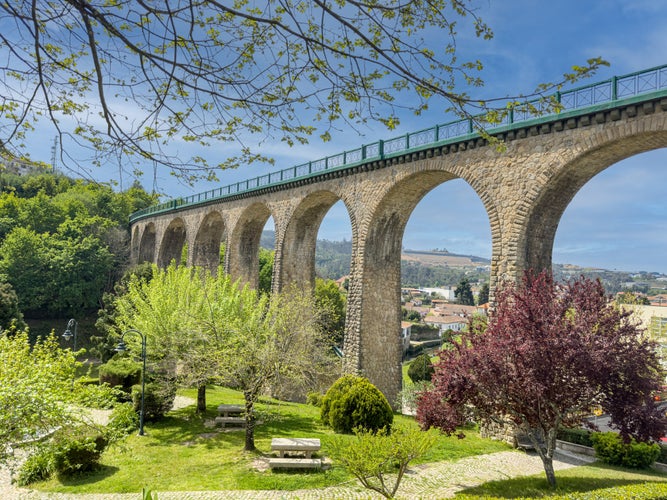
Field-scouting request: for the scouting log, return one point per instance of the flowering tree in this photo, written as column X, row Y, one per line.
column 549, row 353
column 131, row 78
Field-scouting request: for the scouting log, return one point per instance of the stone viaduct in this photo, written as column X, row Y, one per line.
column 525, row 189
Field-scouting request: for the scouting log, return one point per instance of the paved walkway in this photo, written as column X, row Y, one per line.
column 428, row 481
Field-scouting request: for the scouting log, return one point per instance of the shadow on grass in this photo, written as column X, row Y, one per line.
column 90, row 477
column 538, row 487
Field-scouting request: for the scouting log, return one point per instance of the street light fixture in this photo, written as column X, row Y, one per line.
column 71, row 325
column 122, row 347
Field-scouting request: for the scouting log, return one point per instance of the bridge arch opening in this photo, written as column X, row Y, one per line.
column 208, row 241
column 381, row 346
column 618, row 219
column 539, row 234
column 243, row 244
column 173, row 242
column 147, row 244
column 299, row 243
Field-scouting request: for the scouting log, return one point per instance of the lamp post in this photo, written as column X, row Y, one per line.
column 71, row 324
column 122, row 347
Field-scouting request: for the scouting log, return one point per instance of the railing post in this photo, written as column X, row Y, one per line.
column 310, row 167
column 381, row 148
column 437, row 133
column 407, row 141
column 363, row 152
column 470, row 125
column 614, row 88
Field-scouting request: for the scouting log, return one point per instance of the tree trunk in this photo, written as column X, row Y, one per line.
column 549, row 470
column 201, row 398
column 249, row 421
column 546, row 451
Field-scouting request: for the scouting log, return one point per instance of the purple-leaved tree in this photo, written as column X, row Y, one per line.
column 549, row 353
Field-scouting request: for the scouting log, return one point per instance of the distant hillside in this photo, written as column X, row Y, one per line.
column 438, row 258
column 442, row 268
column 419, row 267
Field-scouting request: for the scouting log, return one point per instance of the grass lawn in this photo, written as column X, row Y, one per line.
column 181, row 454
column 595, row 481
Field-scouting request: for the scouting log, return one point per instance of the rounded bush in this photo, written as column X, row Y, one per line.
column 353, row 402
column 120, row 372
column 158, row 399
column 421, row 368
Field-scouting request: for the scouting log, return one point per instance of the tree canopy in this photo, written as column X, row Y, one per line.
column 130, row 78
column 463, row 293
column 550, row 354
column 63, row 242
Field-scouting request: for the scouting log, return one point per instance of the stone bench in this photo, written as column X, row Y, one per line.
column 225, row 410
column 223, row 421
column 291, row 445
column 295, row 463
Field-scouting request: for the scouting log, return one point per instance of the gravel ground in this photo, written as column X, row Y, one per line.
column 428, row 481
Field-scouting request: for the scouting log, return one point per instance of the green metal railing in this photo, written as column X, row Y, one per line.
column 638, row 86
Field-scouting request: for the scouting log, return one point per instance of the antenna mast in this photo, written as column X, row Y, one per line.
column 54, row 154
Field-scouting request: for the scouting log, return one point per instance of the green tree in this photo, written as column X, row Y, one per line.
column 10, row 313
column 483, row 296
column 331, row 303
column 265, row 269
column 225, row 77
column 629, row 297
column 170, row 309
column 463, row 293
column 270, row 339
column 24, row 264
column 375, row 457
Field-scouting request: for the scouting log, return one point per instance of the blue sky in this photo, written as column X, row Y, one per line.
column 617, row 221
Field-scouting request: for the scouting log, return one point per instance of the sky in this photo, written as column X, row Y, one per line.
column 617, row 221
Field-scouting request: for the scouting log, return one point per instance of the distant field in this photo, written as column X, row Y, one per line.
column 443, row 259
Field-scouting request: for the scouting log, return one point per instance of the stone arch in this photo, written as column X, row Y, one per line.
column 297, row 252
column 172, row 243
column 378, row 346
column 206, row 247
column 537, row 237
column 243, row 244
column 147, row 244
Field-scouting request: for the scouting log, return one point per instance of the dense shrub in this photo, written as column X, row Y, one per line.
column 610, row 448
column 37, row 467
column 120, row 372
column 421, row 368
column 314, row 398
column 575, row 435
column 123, row 420
column 78, row 450
column 662, row 458
column 353, row 402
column 69, row 451
column 158, row 399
